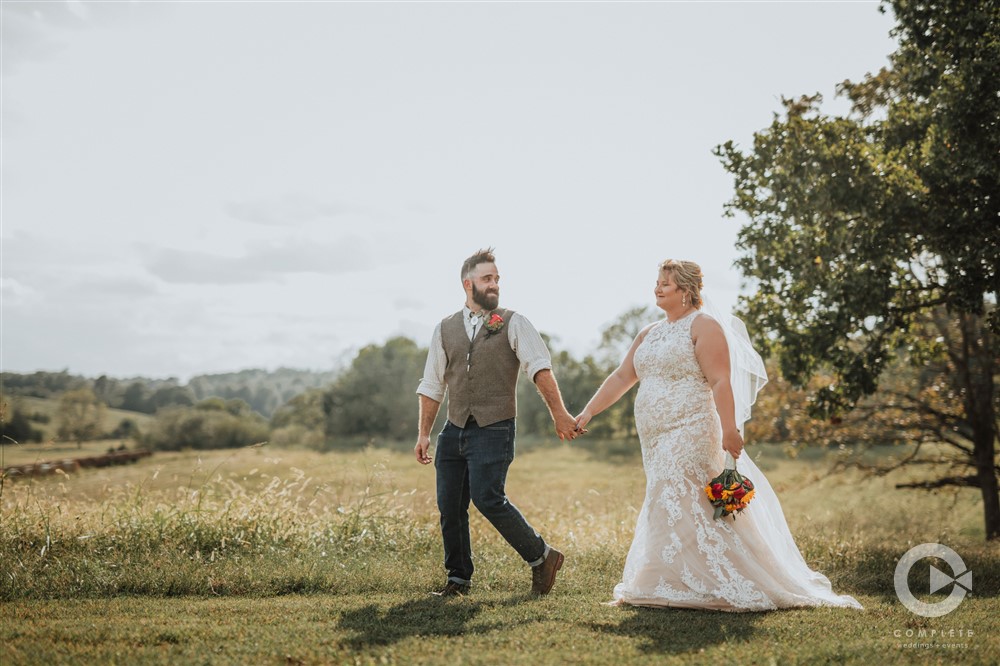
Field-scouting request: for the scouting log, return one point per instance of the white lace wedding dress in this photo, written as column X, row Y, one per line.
column 681, row 556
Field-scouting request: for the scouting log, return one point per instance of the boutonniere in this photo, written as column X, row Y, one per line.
column 494, row 324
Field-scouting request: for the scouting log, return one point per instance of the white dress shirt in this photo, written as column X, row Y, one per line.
column 524, row 340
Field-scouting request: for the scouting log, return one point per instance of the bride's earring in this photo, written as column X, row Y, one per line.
column 684, row 301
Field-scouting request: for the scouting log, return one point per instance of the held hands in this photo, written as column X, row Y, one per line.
column 422, row 449
column 732, row 442
column 566, row 426
column 582, row 419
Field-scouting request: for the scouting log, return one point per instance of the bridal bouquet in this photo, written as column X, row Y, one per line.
column 730, row 492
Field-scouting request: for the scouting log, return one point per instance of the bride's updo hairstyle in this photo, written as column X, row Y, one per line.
column 687, row 276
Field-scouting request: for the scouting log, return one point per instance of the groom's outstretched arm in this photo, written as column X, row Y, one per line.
column 545, row 381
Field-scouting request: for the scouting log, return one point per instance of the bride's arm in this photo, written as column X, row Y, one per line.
column 712, row 352
column 615, row 386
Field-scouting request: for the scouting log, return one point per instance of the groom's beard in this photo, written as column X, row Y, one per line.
column 487, row 300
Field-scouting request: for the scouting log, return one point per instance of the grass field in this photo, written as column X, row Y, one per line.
column 283, row 556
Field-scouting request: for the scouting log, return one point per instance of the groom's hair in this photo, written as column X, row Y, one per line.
column 480, row 257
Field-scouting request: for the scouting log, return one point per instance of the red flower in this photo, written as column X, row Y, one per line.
column 495, row 323
column 716, row 490
column 739, row 493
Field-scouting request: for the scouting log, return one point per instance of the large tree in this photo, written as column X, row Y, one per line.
column 863, row 226
column 375, row 396
column 80, row 415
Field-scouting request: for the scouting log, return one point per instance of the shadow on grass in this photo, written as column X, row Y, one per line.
column 419, row 617
column 872, row 573
column 430, row 617
column 679, row 631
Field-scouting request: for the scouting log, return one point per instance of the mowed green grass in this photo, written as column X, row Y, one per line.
column 278, row 556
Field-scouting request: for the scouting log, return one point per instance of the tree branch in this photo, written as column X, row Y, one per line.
column 879, row 470
column 917, row 307
column 922, row 406
column 962, row 481
column 946, row 438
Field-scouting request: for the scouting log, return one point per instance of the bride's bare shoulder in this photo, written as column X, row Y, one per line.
column 704, row 324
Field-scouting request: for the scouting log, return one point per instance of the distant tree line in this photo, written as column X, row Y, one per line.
column 373, row 400
column 264, row 391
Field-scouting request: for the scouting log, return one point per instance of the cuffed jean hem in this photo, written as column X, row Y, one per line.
column 460, row 581
column 541, row 559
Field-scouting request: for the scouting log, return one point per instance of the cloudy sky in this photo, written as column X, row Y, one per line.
column 195, row 187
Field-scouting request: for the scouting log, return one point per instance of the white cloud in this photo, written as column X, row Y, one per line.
column 261, row 262
column 15, row 292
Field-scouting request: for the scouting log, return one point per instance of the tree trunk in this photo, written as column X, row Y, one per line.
column 988, row 482
column 977, row 352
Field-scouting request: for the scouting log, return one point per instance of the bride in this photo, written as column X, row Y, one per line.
column 689, row 414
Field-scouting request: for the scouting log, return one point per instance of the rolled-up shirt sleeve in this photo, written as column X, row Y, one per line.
column 432, row 384
column 529, row 346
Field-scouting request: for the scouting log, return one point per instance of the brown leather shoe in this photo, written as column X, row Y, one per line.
column 543, row 577
column 452, row 589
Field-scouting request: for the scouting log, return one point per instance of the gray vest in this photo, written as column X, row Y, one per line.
column 481, row 375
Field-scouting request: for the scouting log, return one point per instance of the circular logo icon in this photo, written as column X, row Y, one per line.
column 960, row 576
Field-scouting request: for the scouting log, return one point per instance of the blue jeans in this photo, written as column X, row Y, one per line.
column 472, row 464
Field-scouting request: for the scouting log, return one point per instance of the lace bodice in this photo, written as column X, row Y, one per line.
column 667, row 353
column 674, row 410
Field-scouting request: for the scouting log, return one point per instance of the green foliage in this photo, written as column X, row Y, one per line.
column 80, row 416
column 861, row 226
column 861, row 223
column 305, row 409
column 15, row 425
column 211, row 424
column 126, row 429
column 265, row 391
column 301, row 422
column 376, row 396
column 139, row 396
column 135, row 398
column 40, row 384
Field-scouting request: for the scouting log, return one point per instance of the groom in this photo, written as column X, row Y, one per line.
column 474, row 356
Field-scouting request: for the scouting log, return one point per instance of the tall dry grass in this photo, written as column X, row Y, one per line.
column 261, row 521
